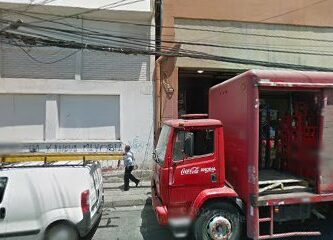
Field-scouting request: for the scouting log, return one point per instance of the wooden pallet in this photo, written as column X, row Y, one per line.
column 275, row 182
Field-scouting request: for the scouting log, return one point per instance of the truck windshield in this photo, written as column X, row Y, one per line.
column 162, row 143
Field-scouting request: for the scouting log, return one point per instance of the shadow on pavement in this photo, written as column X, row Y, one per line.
column 104, row 218
column 93, row 231
column 150, row 229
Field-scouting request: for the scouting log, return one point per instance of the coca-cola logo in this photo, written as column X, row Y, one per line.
column 189, row 171
column 197, row 170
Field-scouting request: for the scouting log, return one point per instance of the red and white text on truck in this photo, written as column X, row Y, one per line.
column 260, row 161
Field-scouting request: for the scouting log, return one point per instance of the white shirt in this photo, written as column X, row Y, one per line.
column 129, row 159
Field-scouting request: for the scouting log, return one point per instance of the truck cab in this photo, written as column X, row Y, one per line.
column 189, row 172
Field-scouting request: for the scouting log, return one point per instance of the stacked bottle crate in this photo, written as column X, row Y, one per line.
column 299, row 137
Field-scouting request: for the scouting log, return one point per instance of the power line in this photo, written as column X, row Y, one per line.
column 147, row 42
column 168, row 27
column 55, row 39
column 142, row 43
column 187, row 52
column 46, row 2
column 195, row 54
column 190, row 54
column 44, row 62
column 294, row 10
column 31, row 4
column 104, row 7
column 285, row 13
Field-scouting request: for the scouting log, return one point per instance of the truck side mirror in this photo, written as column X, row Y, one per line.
column 189, row 145
column 155, row 157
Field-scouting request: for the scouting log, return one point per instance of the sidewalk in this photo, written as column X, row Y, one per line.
column 116, row 176
column 115, row 196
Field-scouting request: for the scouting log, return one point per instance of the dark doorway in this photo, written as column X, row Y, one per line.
column 194, row 87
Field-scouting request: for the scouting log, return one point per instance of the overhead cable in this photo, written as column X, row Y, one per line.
column 191, row 54
column 33, row 15
column 95, row 35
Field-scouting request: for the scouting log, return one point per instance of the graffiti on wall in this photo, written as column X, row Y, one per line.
column 104, row 147
column 138, row 145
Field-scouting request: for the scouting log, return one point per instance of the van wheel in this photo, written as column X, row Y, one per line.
column 61, row 232
column 219, row 221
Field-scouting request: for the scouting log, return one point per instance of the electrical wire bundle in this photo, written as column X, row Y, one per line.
column 58, row 33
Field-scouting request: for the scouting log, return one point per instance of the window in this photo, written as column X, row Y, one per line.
column 163, row 143
column 193, row 143
column 3, row 183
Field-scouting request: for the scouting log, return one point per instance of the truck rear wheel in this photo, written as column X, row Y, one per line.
column 219, row 221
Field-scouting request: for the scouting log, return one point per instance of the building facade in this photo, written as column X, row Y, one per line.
column 242, row 35
column 57, row 99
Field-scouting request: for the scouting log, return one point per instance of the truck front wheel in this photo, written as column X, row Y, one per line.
column 219, row 221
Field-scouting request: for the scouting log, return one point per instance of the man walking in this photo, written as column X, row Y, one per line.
column 129, row 161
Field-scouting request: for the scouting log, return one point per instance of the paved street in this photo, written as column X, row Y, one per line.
column 138, row 223
column 133, row 223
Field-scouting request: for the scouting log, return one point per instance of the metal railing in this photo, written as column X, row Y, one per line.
column 46, row 159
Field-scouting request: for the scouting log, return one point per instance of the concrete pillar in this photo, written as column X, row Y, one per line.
column 51, row 118
column 78, row 65
column 78, row 60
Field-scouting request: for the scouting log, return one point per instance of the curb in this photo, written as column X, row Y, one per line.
column 117, row 188
column 120, row 173
column 120, row 185
column 115, row 179
column 128, row 203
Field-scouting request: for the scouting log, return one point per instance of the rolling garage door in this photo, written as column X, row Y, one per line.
column 22, row 117
column 83, row 117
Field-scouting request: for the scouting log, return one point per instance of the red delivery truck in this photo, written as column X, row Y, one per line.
column 261, row 161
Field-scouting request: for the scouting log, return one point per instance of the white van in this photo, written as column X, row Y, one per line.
column 60, row 201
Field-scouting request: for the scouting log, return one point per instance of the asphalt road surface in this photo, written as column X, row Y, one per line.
column 134, row 223
column 139, row 223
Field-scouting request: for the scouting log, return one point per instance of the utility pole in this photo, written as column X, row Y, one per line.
column 158, row 25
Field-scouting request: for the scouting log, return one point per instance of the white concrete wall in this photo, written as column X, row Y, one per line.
column 39, row 115
column 91, row 100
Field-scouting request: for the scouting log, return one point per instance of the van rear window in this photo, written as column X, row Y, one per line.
column 3, row 183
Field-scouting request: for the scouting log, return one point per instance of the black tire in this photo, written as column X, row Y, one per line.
column 219, row 212
column 61, row 231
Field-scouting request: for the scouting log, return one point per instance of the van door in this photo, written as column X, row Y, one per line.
column 3, row 206
column 194, row 168
column 23, row 207
column 326, row 162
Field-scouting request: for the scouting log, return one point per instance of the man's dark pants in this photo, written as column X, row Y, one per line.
column 128, row 176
